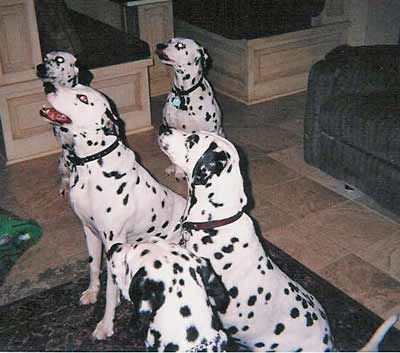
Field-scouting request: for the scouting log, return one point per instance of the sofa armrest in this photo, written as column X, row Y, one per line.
column 346, row 70
column 321, row 82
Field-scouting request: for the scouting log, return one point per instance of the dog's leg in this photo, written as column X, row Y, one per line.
column 177, row 172
column 64, row 172
column 105, row 328
column 94, row 245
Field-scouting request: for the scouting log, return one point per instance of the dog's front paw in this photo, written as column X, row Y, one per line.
column 179, row 174
column 63, row 190
column 89, row 296
column 103, row 330
column 170, row 170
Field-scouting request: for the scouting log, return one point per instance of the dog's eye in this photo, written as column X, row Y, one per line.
column 180, row 45
column 83, row 98
column 45, row 59
column 59, row 59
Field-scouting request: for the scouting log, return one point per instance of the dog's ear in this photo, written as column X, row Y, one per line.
column 117, row 247
column 215, row 289
column 143, row 289
column 205, row 59
column 142, row 318
column 111, row 126
column 85, row 77
column 211, row 163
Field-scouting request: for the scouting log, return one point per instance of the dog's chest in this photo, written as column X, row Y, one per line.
column 98, row 195
column 193, row 112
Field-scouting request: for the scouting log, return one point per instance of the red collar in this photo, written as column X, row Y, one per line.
column 189, row 226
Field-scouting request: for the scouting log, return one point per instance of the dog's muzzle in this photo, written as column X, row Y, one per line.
column 54, row 116
column 41, row 71
column 160, row 52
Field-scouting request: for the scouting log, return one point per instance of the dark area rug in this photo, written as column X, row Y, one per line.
column 54, row 321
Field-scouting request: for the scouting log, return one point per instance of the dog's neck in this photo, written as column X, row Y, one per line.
column 187, row 76
column 210, row 204
column 89, row 143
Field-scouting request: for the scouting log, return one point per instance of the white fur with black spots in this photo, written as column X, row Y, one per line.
column 268, row 310
column 116, row 199
column 191, row 105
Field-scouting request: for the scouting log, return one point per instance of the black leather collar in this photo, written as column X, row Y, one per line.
column 79, row 161
column 181, row 92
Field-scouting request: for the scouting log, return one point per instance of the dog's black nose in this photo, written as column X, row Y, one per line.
column 41, row 71
column 164, row 130
column 161, row 46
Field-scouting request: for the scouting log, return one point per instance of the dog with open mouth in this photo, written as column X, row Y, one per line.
column 191, row 105
column 115, row 198
column 62, row 68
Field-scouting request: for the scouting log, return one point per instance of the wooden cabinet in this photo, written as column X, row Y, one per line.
column 19, row 42
column 25, row 135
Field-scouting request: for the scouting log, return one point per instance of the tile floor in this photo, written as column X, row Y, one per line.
column 342, row 236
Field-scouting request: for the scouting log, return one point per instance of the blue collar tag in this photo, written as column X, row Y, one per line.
column 176, row 102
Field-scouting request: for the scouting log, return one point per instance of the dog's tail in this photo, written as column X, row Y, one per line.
column 373, row 343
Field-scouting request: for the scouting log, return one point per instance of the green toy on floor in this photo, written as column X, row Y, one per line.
column 16, row 236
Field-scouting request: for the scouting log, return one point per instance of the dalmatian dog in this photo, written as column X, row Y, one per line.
column 116, row 199
column 176, row 296
column 60, row 67
column 268, row 310
column 191, row 105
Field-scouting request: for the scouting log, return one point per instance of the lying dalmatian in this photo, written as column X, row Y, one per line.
column 59, row 67
column 268, row 310
column 116, row 199
column 176, row 296
column 191, row 105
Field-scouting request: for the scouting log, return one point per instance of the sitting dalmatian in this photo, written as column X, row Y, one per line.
column 59, row 67
column 191, row 105
column 268, row 310
column 116, row 199
column 176, row 296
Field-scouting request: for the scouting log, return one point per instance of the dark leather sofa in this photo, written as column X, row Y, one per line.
column 352, row 120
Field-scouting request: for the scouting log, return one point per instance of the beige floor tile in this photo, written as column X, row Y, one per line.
column 269, row 217
column 293, row 157
column 267, row 172
column 301, row 197
column 296, row 126
column 268, row 138
column 144, row 142
column 365, row 283
column 250, row 152
column 384, row 254
column 353, row 226
column 305, row 241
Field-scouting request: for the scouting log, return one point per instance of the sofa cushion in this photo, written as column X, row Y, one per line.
column 370, row 123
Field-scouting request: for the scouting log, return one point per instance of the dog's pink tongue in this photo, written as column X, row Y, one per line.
column 55, row 116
